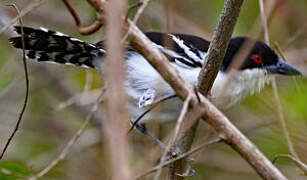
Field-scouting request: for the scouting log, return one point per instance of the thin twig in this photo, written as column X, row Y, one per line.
column 135, row 122
column 264, row 22
column 209, row 71
column 295, row 37
column 281, row 54
column 140, row 11
column 281, row 118
column 281, row 114
column 76, row 97
column 136, row 17
column 275, row 90
column 297, row 161
column 70, row 143
column 23, row 12
column 176, row 133
column 84, row 30
column 27, row 84
column 200, row 147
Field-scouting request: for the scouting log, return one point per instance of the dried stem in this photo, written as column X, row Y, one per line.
column 23, row 12
column 71, row 142
column 116, row 127
column 275, row 88
column 199, row 148
column 218, row 45
column 295, row 36
column 207, row 75
column 27, row 84
column 136, row 17
column 297, row 161
column 85, row 30
column 178, row 127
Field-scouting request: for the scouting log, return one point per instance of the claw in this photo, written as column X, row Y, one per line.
column 147, row 98
column 191, row 160
column 188, row 172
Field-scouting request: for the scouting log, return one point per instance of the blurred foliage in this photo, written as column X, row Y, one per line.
column 46, row 128
column 13, row 170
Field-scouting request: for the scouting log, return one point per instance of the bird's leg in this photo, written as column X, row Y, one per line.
column 144, row 131
column 170, row 155
column 146, row 100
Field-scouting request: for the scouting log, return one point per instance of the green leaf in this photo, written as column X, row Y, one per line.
column 11, row 170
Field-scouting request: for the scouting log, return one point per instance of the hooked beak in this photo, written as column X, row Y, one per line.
column 283, row 68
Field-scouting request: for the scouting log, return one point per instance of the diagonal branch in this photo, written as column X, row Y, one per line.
column 218, row 45
column 208, row 73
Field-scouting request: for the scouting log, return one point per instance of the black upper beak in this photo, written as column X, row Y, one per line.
column 283, row 68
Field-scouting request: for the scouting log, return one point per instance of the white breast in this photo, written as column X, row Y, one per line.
column 231, row 88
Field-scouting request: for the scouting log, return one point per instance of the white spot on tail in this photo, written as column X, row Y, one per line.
column 85, row 66
column 75, row 39
column 92, row 45
column 60, row 34
column 70, row 64
column 43, row 29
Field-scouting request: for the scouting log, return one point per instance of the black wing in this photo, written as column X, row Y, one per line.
column 184, row 49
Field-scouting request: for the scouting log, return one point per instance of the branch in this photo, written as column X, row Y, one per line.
column 275, row 88
column 218, row 45
column 297, row 162
column 84, row 30
column 199, row 148
column 173, row 139
column 208, row 73
column 117, row 115
column 27, row 84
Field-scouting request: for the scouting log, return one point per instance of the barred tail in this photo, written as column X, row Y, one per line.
column 45, row 45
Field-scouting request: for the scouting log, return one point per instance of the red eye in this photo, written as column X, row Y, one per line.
column 257, row 59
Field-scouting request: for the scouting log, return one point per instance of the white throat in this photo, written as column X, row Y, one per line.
column 228, row 89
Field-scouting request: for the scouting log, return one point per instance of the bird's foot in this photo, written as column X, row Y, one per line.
column 188, row 172
column 147, row 98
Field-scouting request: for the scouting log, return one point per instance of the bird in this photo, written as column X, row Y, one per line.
column 145, row 86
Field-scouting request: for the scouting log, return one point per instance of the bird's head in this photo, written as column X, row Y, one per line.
column 261, row 57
